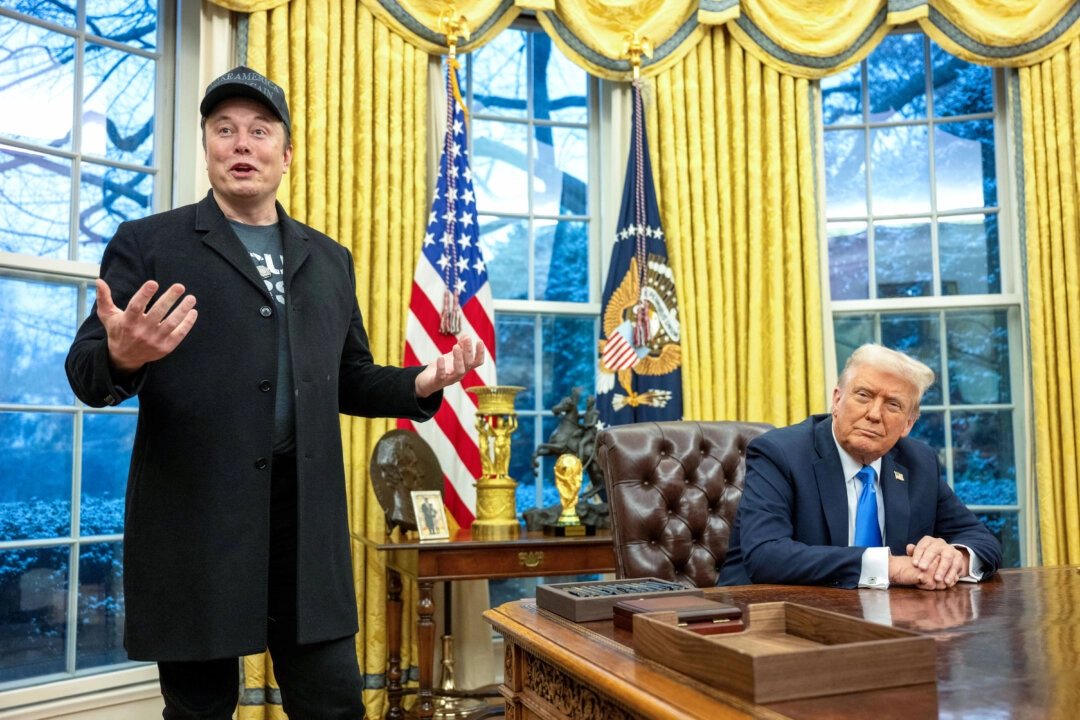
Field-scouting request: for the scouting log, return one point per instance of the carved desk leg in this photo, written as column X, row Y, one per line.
column 393, row 645
column 425, row 635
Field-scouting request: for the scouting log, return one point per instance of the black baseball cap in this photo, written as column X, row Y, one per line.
column 245, row 82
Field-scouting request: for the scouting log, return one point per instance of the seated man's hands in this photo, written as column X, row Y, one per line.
column 932, row 564
column 465, row 356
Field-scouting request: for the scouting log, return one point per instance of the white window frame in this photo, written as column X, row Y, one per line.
column 1010, row 299
column 177, row 87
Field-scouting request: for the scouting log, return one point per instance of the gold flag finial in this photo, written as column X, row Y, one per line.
column 633, row 48
column 454, row 26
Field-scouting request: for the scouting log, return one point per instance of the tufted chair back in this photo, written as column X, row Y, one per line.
column 673, row 490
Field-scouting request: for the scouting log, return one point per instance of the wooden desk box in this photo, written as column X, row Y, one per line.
column 700, row 615
column 790, row 651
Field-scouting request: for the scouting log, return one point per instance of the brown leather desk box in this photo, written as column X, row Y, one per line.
column 703, row 616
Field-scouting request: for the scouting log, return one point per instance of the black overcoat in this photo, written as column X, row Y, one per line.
column 197, row 513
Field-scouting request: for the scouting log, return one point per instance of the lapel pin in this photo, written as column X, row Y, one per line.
column 898, row 475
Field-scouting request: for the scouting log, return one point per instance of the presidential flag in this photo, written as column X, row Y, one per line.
column 640, row 373
column 451, row 297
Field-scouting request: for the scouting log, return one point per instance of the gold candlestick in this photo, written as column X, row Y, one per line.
column 496, row 421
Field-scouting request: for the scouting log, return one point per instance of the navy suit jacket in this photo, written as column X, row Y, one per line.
column 792, row 523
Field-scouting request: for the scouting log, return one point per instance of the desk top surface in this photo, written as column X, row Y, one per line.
column 1006, row 648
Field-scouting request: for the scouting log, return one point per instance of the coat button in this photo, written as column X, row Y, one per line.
column 265, row 386
column 265, row 311
column 260, row 464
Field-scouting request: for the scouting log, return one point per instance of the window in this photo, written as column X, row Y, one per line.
column 532, row 129
column 921, row 257
column 533, row 126
column 82, row 149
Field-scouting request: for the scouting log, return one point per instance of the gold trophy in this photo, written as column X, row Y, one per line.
column 496, row 421
column 568, row 483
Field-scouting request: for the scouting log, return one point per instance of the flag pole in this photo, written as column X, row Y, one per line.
column 453, row 26
column 633, row 48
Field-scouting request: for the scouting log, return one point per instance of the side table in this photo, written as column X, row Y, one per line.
column 462, row 558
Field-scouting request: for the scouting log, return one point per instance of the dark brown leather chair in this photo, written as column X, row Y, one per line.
column 673, row 490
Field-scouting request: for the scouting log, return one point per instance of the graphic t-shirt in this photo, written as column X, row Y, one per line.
column 263, row 243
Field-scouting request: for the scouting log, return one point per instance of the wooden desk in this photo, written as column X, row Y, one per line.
column 1007, row 648
column 462, row 558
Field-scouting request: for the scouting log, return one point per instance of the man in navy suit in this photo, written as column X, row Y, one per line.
column 797, row 520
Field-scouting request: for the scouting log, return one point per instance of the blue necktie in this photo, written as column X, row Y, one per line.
column 867, row 530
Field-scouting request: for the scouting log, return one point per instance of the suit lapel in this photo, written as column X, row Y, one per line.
column 830, row 480
column 894, row 485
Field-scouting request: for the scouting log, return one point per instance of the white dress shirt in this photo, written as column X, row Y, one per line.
column 875, row 561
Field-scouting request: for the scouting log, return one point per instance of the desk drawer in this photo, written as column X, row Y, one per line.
column 523, row 560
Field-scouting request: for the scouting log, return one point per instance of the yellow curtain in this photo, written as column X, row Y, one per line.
column 732, row 144
column 358, row 98
column 1050, row 108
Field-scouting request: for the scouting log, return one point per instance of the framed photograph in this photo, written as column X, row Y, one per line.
column 430, row 515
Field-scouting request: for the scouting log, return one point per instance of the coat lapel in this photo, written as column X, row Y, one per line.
column 830, row 479
column 894, row 485
column 220, row 237
column 294, row 246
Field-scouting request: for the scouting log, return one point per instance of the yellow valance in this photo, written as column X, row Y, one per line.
column 802, row 38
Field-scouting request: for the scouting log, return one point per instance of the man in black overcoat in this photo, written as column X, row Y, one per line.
column 236, row 529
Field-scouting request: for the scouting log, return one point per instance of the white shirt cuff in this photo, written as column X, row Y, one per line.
column 875, row 568
column 976, row 566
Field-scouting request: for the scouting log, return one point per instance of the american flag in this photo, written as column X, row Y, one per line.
column 451, row 297
column 640, row 374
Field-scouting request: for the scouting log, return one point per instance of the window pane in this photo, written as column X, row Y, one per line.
column 903, row 259
column 900, row 170
column 522, row 445
column 970, row 254
column 561, row 87
column 569, row 356
column 39, row 83
column 118, row 106
column 58, row 13
column 37, row 325
column 978, row 357
column 561, row 171
column 33, row 609
column 964, row 165
column 896, row 72
column 500, row 166
column 841, row 97
column 133, row 22
column 845, row 173
column 515, row 348
column 984, row 469
column 499, row 83
column 107, row 443
column 1005, row 526
column 849, row 332
column 562, row 261
column 960, row 88
column 35, row 487
column 100, row 638
column 107, row 197
column 849, row 261
column 505, row 244
column 35, row 203
column 918, row 335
